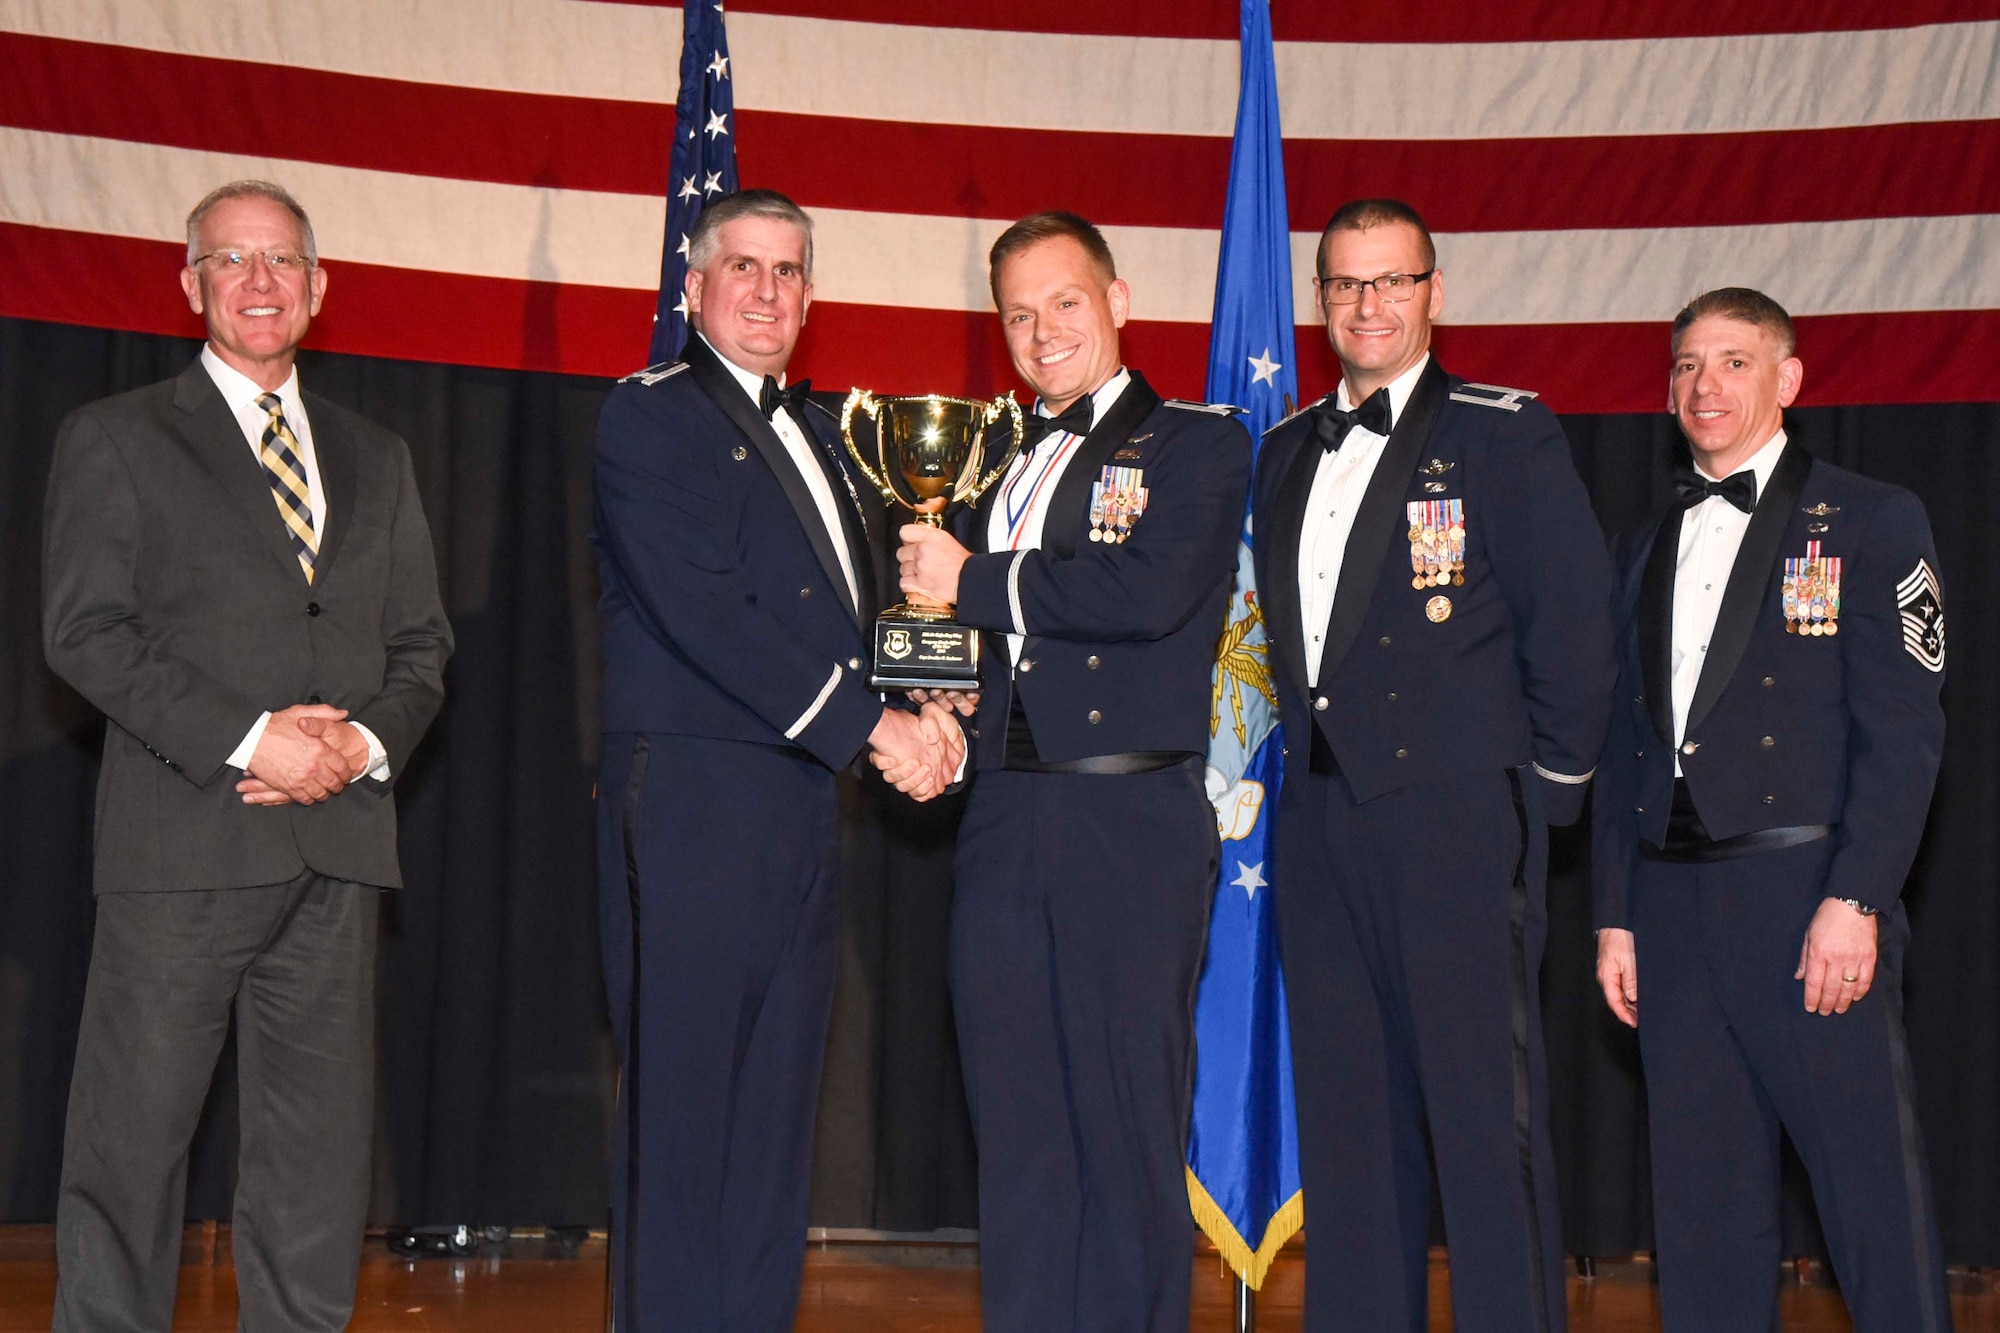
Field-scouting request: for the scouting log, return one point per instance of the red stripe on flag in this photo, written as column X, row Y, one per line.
column 1428, row 21
column 1140, row 180
column 114, row 282
column 422, row 129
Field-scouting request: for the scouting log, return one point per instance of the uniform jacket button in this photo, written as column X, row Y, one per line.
column 1690, row 747
column 1095, row 717
column 1638, row 809
column 1319, row 704
column 312, row 698
column 1392, row 696
column 1093, row 662
column 1768, row 682
column 1638, row 754
column 739, row 453
column 1027, row 664
column 805, row 593
column 1770, row 741
column 312, row 608
column 854, row 664
column 1770, row 800
column 1402, row 754
column 1385, row 641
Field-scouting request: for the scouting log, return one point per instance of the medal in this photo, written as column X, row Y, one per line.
column 1438, row 609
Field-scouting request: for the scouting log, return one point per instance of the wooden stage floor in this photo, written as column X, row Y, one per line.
column 526, row 1287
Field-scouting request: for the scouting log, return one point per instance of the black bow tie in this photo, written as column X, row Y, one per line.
column 770, row 398
column 1331, row 424
column 1075, row 419
column 1739, row 488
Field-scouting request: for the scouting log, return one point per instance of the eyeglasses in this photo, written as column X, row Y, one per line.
column 1389, row 288
column 280, row 262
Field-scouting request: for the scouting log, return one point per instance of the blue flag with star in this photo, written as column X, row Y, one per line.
column 704, row 161
column 1243, row 1150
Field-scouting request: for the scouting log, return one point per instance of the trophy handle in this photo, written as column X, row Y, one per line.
column 1003, row 403
column 861, row 400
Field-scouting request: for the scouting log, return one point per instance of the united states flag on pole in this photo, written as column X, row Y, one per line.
column 485, row 178
column 703, row 166
column 1243, row 1152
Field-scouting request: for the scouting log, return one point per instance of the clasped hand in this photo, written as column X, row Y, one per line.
column 918, row 753
column 307, row 753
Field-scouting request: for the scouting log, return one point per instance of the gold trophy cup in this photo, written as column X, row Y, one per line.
column 927, row 447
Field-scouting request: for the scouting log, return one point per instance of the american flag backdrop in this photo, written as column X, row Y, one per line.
column 488, row 177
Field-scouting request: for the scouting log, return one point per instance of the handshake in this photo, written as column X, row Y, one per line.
column 919, row 753
column 307, row 753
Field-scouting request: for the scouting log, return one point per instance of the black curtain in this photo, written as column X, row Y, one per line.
column 497, row 1071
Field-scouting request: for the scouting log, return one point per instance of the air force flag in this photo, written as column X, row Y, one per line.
column 1243, row 1157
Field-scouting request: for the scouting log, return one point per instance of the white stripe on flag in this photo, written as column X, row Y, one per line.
column 1129, row 84
column 925, row 261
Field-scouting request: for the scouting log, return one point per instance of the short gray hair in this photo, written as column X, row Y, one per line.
column 249, row 189
column 708, row 224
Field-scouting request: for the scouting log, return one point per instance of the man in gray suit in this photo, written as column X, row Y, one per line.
column 240, row 576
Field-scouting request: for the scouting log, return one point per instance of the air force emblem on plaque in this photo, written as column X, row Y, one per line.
column 896, row 643
column 1921, row 603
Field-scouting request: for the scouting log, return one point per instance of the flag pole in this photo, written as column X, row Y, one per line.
column 1246, row 1307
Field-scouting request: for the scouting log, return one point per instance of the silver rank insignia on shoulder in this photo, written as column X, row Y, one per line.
column 1920, row 601
column 1117, row 498
column 1298, row 411
column 1492, row 395
column 1213, row 409
column 652, row 375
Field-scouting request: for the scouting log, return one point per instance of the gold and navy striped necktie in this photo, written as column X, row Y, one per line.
column 279, row 453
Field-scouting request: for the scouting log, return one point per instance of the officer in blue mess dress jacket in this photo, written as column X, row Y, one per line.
column 1435, row 588
column 737, row 581
column 1099, row 570
column 1776, row 735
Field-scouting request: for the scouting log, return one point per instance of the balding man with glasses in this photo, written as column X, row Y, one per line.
column 239, row 575
column 1436, row 592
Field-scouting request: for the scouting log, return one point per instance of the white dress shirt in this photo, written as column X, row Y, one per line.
column 240, row 393
column 1338, row 484
column 1711, row 534
column 805, row 457
column 1022, row 508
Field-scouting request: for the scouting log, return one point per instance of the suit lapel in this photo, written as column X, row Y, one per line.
column 1278, row 582
column 715, row 380
column 846, row 499
column 1380, row 518
column 1069, row 508
column 211, row 432
column 1750, row 579
column 334, row 452
column 1656, row 622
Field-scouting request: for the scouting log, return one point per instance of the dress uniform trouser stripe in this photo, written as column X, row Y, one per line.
column 1524, row 1134
column 1908, row 1141
column 635, row 785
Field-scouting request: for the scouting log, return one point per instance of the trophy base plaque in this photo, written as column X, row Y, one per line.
column 918, row 649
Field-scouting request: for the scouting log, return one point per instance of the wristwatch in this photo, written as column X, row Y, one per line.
column 1860, row 906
